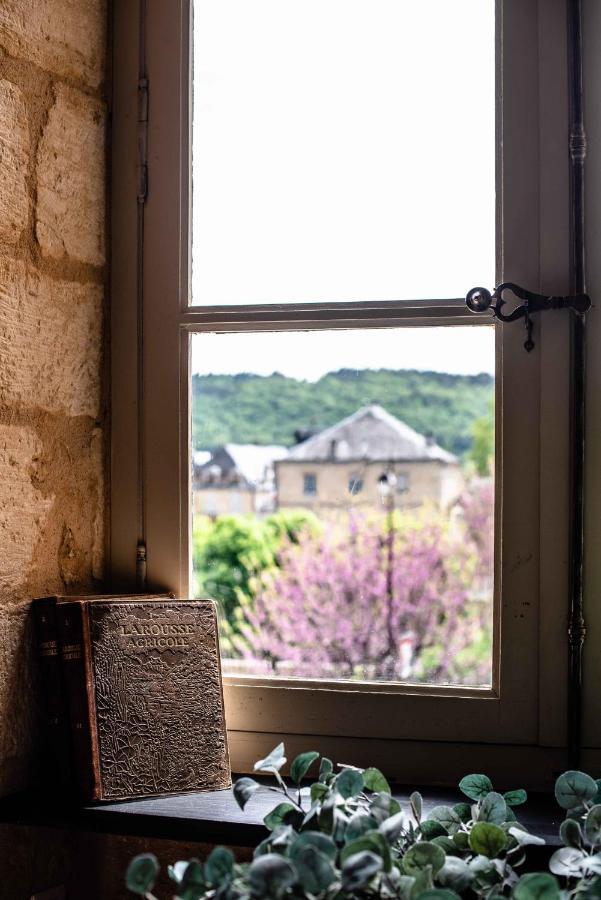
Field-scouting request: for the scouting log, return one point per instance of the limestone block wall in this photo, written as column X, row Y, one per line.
column 52, row 322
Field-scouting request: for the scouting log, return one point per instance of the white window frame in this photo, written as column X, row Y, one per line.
column 413, row 732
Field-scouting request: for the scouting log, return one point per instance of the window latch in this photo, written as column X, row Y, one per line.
column 479, row 300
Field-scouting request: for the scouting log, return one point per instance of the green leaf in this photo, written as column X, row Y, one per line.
column 219, row 866
column 281, row 837
column 431, row 829
column 446, row 843
column 392, row 827
column 349, row 783
column 372, row 841
column 315, row 870
column 476, row 787
column 192, row 885
column 244, row 789
column 283, row 814
column 326, row 767
column 273, row 762
column 316, row 839
column 567, row 861
column 422, row 881
column 374, row 781
column 464, row 811
column 383, row 806
column 461, row 840
column 417, row 805
column 536, row 886
column 493, row 809
column 301, row 765
column 325, row 815
column 318, row 791
column 485, row 873
column 455, row 874
column 570, row 833
column 359, row 869
column 176, row 871
column 592, row 825
column 358, row 824
column 421, row 855
column 487, row 839
column 574, row 788
column 142, row 873
column 446, row 817
column 515, row 798
column 271, row 876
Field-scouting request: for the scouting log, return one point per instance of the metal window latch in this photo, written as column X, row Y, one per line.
column 480, row 299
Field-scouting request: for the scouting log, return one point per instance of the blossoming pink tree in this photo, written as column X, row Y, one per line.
column 340, row 604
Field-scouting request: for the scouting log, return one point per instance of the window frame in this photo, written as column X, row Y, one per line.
column 415, row 732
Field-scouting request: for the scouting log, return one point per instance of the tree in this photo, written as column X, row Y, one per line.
column 483, row 446
column 327, row 612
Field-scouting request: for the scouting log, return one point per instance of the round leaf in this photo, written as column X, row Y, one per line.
column 359, row 869
column 592, row 825
column 326, row 768
column 316, row 839
column 318, row 791
column 570, row 833
column 515, row 798
column 536, row 886
column 192, row 885
column 455, row 874
column 476, row 787
column 349, row 783
column 383, row 806
column 271, row 876
column 416, row 805
column 525, row 839
column 391, row 828
column 421, row 855
column 219, row 866
column 283, row 814
column 464, row 811
column 446, row 816
column 461, row 840
column 487, row 839
column 431, row 829
column 372, row 841
column 567, row 861
column 301, row 765
column 493, row 809
column 315, row 871
column 374, row 781
column 142, row 873
column 243, row 790
column 358, row 824
column 176, row 871
column 574, row 788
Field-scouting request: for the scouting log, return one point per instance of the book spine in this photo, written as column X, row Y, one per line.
column 76, row 669
column 56, row 720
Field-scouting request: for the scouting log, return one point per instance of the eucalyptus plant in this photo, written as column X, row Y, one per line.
column 346, row 836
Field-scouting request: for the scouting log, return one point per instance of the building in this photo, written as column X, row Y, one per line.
column 236, row 478
column 346, row 464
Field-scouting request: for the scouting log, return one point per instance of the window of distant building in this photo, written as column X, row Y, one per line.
column 355, row 484
column 309, row 484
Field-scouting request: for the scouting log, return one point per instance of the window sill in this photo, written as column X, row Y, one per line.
column 213, row 817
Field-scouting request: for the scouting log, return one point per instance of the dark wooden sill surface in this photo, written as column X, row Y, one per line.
column 214, row 816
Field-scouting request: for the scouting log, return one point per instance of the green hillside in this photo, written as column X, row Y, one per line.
column 257, row 409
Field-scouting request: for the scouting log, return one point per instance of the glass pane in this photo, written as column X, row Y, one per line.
column 342, row 150
column 342, row 497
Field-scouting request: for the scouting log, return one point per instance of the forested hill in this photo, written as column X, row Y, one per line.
column 256, row 409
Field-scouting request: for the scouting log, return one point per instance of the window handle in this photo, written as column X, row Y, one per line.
column 479, row 300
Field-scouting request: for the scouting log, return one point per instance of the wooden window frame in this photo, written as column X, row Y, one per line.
column 432, row 734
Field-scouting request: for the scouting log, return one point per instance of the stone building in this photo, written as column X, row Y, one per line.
column 343, row 466
column 237, row 478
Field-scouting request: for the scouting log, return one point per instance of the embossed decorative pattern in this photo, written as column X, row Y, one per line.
column 158, row 694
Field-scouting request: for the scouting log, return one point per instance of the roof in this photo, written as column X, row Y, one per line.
column 250, row 461
column 370, row 434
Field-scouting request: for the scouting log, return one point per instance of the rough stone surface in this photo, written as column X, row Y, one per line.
column 14, row 161
column 70, row 167
column 50, row 341
column 66, row 37
column 23, row 507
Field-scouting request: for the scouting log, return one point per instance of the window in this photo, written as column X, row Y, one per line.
column 355, row 484
column 304, row 221
column 310, row 485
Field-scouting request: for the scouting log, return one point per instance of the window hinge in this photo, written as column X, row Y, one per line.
column 480, row 299
column 142, row 140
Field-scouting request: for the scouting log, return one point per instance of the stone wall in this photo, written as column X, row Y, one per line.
column 52, row 276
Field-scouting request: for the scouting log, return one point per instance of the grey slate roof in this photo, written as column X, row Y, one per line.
column 370, row 434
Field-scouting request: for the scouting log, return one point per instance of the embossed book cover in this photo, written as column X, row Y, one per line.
column 145, row 695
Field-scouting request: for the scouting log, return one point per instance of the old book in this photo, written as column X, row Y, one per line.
column 146, row 701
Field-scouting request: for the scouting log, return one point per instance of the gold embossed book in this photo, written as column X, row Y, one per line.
column 143, row 682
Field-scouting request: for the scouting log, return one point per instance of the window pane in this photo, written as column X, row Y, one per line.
column 342, row 150
column 342, row 496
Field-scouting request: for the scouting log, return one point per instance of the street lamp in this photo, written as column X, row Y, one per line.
column 387, row 483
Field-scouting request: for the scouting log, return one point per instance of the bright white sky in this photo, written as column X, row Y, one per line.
column 343, row 150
